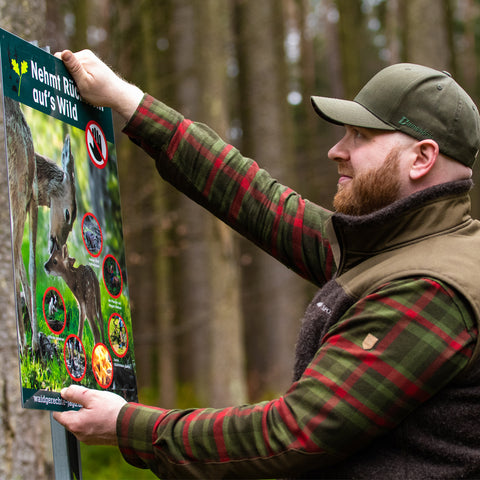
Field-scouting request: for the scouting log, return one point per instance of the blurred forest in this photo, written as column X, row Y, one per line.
column 214, row 319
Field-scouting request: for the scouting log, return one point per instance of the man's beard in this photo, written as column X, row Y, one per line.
column 370, row 190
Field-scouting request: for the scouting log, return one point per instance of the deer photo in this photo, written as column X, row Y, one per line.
column 84, row 285
column 35, row 181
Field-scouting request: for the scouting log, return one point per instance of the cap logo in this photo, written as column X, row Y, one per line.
column 408, row 123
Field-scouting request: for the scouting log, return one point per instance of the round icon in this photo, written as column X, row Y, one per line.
column 97, row 147
column 112, row 276
column 54, row 310
column 117, row 334
column 75, row 358
column 92, row 234
column 102, row 365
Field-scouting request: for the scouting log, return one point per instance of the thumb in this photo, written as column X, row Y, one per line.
column 75, row 394
column 71, row 62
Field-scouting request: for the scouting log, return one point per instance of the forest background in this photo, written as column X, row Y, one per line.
column 215, row 320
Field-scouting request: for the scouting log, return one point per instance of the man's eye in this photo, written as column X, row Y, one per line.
column 357, row 133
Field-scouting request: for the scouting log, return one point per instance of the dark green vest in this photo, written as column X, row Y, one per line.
column 430, row 234
column 440, row 241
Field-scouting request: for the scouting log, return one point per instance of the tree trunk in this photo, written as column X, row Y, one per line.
column 147, row 225
column 351, row 29
column 226, row 362
column 25, row 442
column 466, row 65
column 272, row 295
column 430, row 46
column 212, row 347
column 193, row 261
column 394, row 29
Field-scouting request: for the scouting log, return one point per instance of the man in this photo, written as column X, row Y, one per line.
column 386, row 381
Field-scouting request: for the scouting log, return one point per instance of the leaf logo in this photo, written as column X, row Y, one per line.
column 19, row 70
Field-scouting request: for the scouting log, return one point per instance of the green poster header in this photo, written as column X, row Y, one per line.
column 41, row 81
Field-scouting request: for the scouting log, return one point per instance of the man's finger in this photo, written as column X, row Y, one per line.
column 63, row 417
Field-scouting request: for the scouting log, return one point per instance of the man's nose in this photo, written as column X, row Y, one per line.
column 339, row 151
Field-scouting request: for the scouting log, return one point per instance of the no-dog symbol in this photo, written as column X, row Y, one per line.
column 96, row 144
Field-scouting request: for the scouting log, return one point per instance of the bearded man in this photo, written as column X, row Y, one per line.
column 387, row 377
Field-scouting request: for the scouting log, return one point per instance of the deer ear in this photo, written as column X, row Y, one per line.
column 64, row 251
column 67, row 158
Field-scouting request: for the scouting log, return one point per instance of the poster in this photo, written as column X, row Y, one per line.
column 71, row 289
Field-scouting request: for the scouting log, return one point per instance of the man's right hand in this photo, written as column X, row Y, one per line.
column 99, row 85
column 95, row 423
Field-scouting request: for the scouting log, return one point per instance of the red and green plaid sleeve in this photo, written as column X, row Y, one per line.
column 354, row 390
column 213, row 173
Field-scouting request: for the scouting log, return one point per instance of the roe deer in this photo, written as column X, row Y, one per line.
column 84, row 285
column 34, row 181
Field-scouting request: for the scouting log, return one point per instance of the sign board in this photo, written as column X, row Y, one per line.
column 71, row 287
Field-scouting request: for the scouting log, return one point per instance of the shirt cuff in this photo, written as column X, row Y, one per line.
column 152, row 124
column 135, row 427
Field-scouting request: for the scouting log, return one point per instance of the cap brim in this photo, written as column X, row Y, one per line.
column 347, row 112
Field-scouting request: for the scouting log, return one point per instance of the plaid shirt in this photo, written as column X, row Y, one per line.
column 349, row 394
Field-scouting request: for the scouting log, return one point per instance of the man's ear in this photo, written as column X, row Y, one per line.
column 425, row 155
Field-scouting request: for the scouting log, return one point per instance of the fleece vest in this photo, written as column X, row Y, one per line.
column 430, row 234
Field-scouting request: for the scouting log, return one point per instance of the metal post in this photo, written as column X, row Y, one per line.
column 66, row 453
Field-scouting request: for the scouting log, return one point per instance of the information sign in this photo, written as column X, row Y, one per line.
column 71, row 286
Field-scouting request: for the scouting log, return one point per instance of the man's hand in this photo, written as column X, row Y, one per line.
column 98, row 84
column 95, row 423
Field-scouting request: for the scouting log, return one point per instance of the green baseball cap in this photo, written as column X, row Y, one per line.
column 416, row 100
